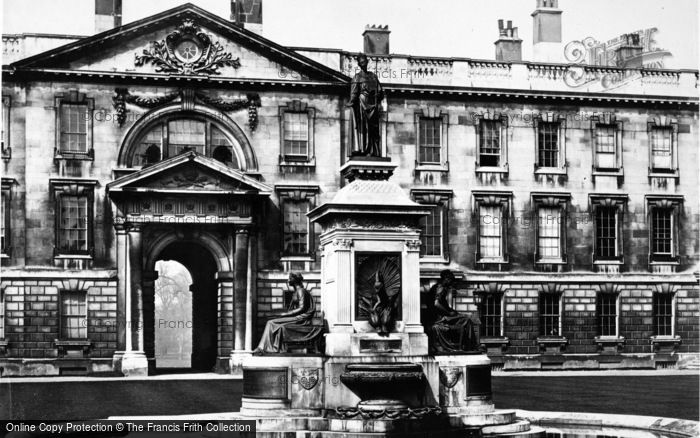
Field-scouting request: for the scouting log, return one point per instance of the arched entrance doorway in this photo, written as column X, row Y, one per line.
column 203, row 318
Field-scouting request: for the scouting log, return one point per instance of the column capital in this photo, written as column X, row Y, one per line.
column 244, row 229
column 120, row 228
column 413, row 245
column 135, row 228
column 343, row 244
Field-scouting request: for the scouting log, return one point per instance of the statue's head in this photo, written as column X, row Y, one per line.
column 296, row 279
column 362, row 61
column 447, row 277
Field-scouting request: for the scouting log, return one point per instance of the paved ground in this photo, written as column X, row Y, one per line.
column 670, row 394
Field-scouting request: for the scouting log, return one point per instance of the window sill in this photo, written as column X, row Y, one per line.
column 494, row 344
column 663, row 267
column 488, row 169
column 552, row 344
column 74, row 156
column 610, row 344
column 608, row 172
column 550, row 262
column 432, row 167
column 73, row 256
column 73, row 348
column 434, row 259
column 307, row 162
column 72, row 342
column 300, row 258
column 550, row 171
column 665, row 344
column 657, row 174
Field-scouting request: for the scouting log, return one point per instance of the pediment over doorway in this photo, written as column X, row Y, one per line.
column 190, row 189
column 189, row 173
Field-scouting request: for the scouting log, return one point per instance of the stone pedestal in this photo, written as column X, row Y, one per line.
column 130, row 363
column 283, row 386
column 235, row 361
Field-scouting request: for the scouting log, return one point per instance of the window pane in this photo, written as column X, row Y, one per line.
column 549, row 314
column 296, row 227
column 607, row 314
column 549, row 236
column 662, row 231
column 548, row 145
column 73, row 224
column 4, row 221
column 605, row 147
column 149, row 147
column 431, row 233
column 491, row 315
column 185, row 135
column 490, row 228
column 429, row 134
column 606, row 233
column 661, row 152
column 2, row 315
column 73, row 315
column 73, row 128
column 490, row 143
column 663, row 314
column 221, row 148
column 296, row 135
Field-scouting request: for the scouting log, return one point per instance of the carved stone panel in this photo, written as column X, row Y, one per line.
column 370, row 267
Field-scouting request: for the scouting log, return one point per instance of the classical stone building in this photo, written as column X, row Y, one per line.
column 564, row 197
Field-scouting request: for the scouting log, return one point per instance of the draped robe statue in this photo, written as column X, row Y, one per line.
column 293, row 325
column 366, row 95
column 452, row 331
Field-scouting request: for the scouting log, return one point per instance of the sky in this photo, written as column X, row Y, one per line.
column 459, row 28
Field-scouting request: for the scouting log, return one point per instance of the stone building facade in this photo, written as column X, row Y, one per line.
column 564, row 198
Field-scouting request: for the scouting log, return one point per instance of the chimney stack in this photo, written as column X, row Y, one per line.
column 247, row 14
column 108, row 15
column 546, row 32
column 508, row 46
column 629, row 52
column 376, row 40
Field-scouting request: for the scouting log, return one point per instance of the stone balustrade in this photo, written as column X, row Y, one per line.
column 534, row 77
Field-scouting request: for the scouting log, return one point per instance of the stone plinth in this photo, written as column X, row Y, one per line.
column 465, row 383
column 283, row 386
column 130, row 363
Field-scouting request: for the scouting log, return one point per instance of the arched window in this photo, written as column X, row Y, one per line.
column 172, row 136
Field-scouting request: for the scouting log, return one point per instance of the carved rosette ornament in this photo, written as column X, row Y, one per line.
column 188, row 51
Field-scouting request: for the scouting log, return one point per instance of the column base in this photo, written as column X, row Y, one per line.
column 130, row 363
column 236, row 361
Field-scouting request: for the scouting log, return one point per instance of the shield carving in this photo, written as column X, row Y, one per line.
column 308, row 377
column 450, row 376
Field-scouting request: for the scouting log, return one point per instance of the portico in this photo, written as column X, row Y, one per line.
column 202, row 213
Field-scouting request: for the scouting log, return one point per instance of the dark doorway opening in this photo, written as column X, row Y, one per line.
column 202, row 321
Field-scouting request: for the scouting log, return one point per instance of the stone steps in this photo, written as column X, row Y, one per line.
column 510, row 428
column 488, row 418
column 533, row 432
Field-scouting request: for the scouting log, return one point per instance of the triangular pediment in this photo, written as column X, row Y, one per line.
column 189, row 173
column 183, row 41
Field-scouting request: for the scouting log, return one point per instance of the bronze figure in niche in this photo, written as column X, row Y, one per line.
column 450, row 331
column 366, row 95
column 378, row 290
column 295, row 325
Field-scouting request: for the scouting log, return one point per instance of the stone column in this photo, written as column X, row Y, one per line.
column 344, row 281
column 224, row 336
column 122, row 310
column 250, row 292
column 136, row 270
column 410, row 288
column 133, row 362
column 240, row 282
column 149, row 296
column 240, row 301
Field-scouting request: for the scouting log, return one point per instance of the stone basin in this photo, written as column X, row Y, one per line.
column 384, row 386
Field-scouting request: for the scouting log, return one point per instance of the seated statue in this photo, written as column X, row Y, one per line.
column 295, row 325
column 451, row 331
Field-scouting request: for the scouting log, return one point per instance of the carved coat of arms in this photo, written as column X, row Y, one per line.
column 187, row 50
column 450, row 376
column 308, row 377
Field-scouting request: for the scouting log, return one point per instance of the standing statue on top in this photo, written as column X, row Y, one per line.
column 366, row 95
column 451, row 331
column 295, row 325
